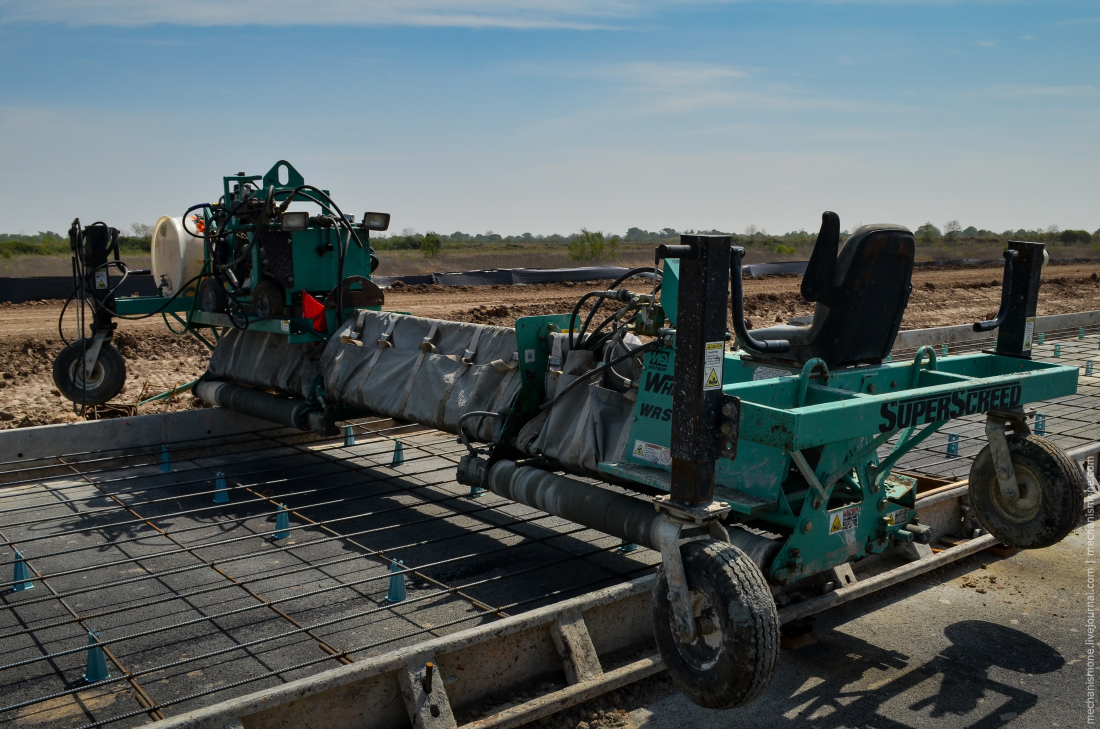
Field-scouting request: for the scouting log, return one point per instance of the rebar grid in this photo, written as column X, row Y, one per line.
column 148, row 561
column 211, row 580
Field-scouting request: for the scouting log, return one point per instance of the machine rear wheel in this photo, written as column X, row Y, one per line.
column 268, row 300
column 212, row 296
column 107, row 378
column 1052, row 489
column 734, row 656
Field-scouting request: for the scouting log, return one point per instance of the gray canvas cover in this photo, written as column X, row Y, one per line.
column 433, row 372
column 265, row 360
column 589, row 425
column 426, row 371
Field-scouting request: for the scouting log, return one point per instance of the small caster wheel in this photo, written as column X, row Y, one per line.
column 107, row 378
column 736, row 649
column 268, row 300
column 212, row 297
column 1052, row 490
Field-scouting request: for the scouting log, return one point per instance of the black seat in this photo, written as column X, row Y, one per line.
column 861, row 294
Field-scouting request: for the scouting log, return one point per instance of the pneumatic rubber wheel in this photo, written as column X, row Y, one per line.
column 268, row 300
column 107, row 378
column 212, row 297
column 734, row 655
column 1051, row 492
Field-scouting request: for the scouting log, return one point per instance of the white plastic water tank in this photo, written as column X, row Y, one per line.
column 177, row 255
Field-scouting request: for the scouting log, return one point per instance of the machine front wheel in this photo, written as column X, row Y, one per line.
column 1051, row 492
column 107, row 378
column 736, row 649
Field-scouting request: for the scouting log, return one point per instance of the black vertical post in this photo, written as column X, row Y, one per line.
column 1014, row 338
column 697, row 379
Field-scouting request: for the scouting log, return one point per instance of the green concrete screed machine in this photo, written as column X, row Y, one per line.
column 765, row 460
column 767, row 464
column 245, row 262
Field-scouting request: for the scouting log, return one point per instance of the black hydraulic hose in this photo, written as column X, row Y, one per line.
column 76, row 239
column 602, row 295
column 737, row 303
column 160, row 310
column 247, row 249
column 121, row 266
column 188, row 212
column 576, row 310
column 1006, row 295
column 343, row 248
column 587, row 376
column 634, row 272
column 463, row 438
column 592, row 335
column 594, row 342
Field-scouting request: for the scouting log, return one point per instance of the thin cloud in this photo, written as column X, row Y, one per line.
column 518, row 14
column 649, row 76
column 676, row 88
column 1075, row 21
column 1018, row 91
column 985, row 44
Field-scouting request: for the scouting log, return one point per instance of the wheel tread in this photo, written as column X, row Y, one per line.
column 748, row 661
column 1062, row 500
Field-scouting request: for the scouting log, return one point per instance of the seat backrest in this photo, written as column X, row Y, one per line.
column 858, row 317
column 821, row 268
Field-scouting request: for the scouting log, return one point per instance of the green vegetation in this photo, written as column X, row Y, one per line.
column 950, row 241
column 48, row 243
column 431, row 246
column 589, row 246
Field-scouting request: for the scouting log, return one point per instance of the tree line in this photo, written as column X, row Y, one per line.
column 585, row 245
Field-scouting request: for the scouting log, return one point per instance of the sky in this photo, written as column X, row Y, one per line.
column 545, row 116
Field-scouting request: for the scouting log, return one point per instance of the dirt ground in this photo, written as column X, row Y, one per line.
column 158, row 360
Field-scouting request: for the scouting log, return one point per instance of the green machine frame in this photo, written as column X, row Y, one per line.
column 806, row 461
column 298, row 253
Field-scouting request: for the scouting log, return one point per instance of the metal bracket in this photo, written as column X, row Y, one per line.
column 92, row 354
column 668, row 536
column 699, row 514
column 676, row 517
column 808, row 474
column 731, row 418
column 1002, row 459
column 1016, row 419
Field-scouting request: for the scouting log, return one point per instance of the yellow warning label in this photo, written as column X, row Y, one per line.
column 843, row 520
column 652, row 452
column 900, row 516
column 712, row 365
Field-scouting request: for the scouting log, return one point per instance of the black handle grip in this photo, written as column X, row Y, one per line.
column 737, row 304
column 667, row 251
column 1006, row 293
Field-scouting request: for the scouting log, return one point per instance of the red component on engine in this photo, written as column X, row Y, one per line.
column 315, row 310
